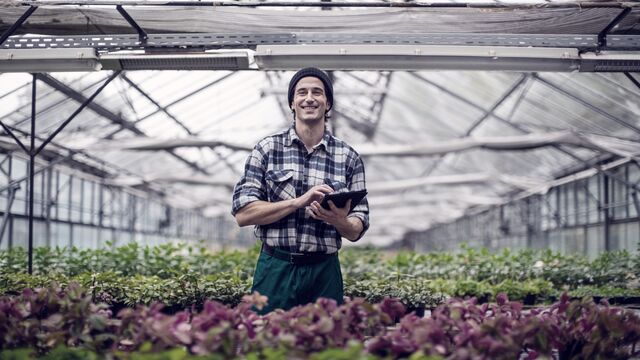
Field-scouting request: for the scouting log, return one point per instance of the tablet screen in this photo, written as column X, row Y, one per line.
column 340, row 199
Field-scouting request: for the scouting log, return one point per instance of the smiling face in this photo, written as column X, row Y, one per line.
column 309, row 100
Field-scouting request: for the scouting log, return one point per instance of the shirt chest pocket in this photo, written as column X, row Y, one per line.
column 280, row 185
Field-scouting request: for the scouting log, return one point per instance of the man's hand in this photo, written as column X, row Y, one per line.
column 348, row 227
column 315, row 194
column 264, row 212
column 334, row 216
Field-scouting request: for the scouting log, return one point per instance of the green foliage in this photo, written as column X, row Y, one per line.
column 604, row 291
column 182, row 275
column 164, row 261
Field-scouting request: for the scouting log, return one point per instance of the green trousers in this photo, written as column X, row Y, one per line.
column 288, row 285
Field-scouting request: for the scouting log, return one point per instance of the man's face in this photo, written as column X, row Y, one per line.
column 309, row 100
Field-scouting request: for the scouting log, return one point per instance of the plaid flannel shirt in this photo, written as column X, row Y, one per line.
column 280, row 168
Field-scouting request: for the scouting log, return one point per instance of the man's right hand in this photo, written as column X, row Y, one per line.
column 316, row 193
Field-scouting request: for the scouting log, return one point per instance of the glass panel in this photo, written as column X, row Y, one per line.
column 85, row 210
column 96, row 204
column 106, row 206
column 593, row 198
column 116, row 208
column 634, row 178
column 618, row 191
column 5, row 168
column 39, row 233
column 53, row 201
column 569, row 204
column 18, row 171
column 64, row 182
column 37, row 195
column 76, row 199
column 582, row 201
column 19, row 233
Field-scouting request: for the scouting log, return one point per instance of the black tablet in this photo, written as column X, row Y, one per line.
column 340, row 199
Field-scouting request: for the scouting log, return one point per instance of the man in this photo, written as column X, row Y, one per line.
column 285, row 179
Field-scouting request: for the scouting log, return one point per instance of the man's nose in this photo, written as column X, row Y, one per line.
column 308, row 97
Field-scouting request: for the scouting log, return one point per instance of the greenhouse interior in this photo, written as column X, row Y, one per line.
column 500, row 141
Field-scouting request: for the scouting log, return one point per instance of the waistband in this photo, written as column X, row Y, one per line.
column 296, row 258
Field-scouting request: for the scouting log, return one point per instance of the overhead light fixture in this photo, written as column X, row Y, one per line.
column 407, row 57
column 48, row 60
column 230, row 60
column 610, row 61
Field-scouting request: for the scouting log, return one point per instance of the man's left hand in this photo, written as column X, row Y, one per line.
column 334, row 216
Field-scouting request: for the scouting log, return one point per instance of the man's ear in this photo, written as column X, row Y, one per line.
column 329, row 106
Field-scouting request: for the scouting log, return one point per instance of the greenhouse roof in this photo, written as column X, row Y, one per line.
column 421, row 92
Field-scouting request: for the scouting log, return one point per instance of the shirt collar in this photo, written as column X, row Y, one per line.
column 293, row 136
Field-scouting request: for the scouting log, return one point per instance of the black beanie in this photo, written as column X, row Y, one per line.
column 317, row 73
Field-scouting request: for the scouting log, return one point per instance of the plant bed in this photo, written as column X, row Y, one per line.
column 45, row 319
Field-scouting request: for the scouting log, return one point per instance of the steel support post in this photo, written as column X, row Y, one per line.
column 33, row 152
column 606, row 212
column 32, row 155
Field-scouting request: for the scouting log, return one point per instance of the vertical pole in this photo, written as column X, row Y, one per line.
column 31, row 169
column 606, row 213
column 47, row 208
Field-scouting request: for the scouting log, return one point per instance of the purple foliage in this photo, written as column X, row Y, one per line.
column 462, row 329
column 48, row 317
column 45, row 318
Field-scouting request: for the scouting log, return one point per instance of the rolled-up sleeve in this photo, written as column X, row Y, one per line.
column 356, row 181
column 252, row 186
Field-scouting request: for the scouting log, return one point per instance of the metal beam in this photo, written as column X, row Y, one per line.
column 158, row 106
column 466, row 101
column 186, row 129
column 521, row 96
column 142, row 35
column 602, row 36
column 581, row 101
column 53, row 105
column 97, row 108
column 104, row 112
column 345, row 4
column 497, row 117
column 586, row 163
column 15, row 138
column 500, row 101
column 78, row 110
column 202, row 88
column 5, row 35
column 632, row 79
column 606, row 213
column 375, row 111
column 484, row 116
column 32, row 163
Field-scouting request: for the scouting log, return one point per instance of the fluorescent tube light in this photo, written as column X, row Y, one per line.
column 407, row 57
column 237, row 60
column 610, row 61
column 48, row 60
